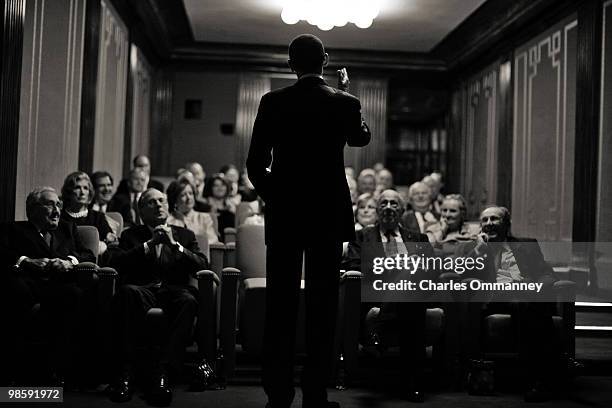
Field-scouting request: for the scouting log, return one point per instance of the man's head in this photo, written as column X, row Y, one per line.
column 420, row 196
column 307, row 55
column 142, row 162
column 138, row 180
column 103, row 187
column 43, row 208
column 389, row 208
column 197, row 171
column 495, row 222
column 453, row 210
column 153, row 207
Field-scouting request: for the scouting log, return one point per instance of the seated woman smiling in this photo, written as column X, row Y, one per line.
column 181, row 200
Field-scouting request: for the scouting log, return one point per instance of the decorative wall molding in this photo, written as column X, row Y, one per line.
column 111, row 92
column 250, row 90
column 544, row 133
column 50, row 95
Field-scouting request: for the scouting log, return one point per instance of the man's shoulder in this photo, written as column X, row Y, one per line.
column 182, row 233
column 412, row 236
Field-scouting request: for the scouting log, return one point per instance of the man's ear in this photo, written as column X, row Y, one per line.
column 325, row 59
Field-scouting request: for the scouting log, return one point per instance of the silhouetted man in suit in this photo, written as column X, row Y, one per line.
column 37, row 258
column 155, row 266
column 305, row 127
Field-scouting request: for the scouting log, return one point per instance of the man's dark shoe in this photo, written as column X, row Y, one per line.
column 160, row 394
column 537, row 393
column 203, row 377
column 121, row 391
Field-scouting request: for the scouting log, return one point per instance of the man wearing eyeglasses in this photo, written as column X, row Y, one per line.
column 37, row 258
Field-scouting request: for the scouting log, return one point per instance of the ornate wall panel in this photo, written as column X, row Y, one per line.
column 111, row 92
column 604, row 196
column 50, row 105
column 544, row 134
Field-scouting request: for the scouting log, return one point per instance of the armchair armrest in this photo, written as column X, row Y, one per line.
column 348, row 324
column 217, row 254
column 229, row 258
column 565, row 292
column 86, row 274
column 228, row 315
column 208, row 281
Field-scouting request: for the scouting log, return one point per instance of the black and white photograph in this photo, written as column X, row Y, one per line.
column 306, row 203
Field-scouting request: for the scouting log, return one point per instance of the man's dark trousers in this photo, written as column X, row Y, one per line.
column 284, row 271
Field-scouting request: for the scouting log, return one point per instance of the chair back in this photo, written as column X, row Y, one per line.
column 90, row 238
column 243, row 211
column 118, row 218
column 251, row 251
column 203, row 244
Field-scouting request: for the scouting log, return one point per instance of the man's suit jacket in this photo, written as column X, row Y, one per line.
column 368, row 245
column 305, row 127
column 172, row 267
column 121, row 203
column 527, row 254
column 21, row 238
column 410, row 222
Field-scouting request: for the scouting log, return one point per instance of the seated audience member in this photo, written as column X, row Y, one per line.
column 451, row 229
column 384, row 180
column 421, row 216
column 378, row 166
column 181, row 202
column 155, row 265
column 216, row 192
column 37, row 257
column 512, row 259
column 77, row 193
column 127, row 203
column 141, row 162
column 366, row 211
column 232, row 175
column 199, row 181
column 408, row 318
column 102, row 183
column 434, row 181
column 366, row 182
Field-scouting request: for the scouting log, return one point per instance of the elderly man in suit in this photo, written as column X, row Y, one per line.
column 305, row 127
column 422, row 214
column 512, row 259
column 155, row 263
column 388, row 238
column 37, row 258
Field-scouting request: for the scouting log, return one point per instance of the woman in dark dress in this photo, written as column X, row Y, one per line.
column 77, row 193
column 217, row 195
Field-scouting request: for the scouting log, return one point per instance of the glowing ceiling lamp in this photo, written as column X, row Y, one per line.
column 327, row 14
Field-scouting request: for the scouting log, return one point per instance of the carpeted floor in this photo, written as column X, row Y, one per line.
column 587, row 392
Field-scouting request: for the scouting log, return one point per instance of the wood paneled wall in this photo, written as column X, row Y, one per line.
column 50, row 104
column 544, row 134
column 111, row 92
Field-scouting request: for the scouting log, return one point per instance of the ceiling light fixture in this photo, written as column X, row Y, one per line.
column 327, row 14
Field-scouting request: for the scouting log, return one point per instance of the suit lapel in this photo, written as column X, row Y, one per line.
column 34, row 236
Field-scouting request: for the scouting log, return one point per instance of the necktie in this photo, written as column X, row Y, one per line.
column 47, row 237
column 135, row 210
column 391, row 248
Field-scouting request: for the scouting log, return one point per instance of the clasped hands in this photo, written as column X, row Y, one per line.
column 162, row 234
column 47, row 266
